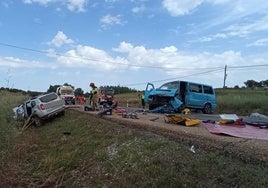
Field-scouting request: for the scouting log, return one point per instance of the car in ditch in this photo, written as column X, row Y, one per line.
column 39, row 108
column 180, row 95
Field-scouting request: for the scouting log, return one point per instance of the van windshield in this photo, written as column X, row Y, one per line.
column 171, row 85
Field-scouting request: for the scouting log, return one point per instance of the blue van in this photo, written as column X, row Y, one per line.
column 180, row 95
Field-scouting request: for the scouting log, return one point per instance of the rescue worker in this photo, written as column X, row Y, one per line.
column 94, row 96
column 142, row 100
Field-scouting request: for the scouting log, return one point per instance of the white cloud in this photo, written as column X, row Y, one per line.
column 12, row 62
column 213, row 37
column 169, row 49
column 44, row 2
column 181, row 7
column 260, row 42
column 72, row 5
column 124, row 47
column 60, row 39
column 247, row 28
column 76, row 5
column 109, row 20
column 90, row 57
column 173, row 61
column 111, row 1
column 138, row 10
column 235, row 8
column 239, row 11
column 239, row 29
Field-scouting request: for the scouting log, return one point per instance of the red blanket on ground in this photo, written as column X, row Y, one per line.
column 242, row 131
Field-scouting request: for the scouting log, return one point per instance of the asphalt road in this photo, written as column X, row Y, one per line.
column 194, row 115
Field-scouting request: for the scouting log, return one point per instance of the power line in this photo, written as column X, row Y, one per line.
column 247, row 66
column 201, row 73
column 169, row 79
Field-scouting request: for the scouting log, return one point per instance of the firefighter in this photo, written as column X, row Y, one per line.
column 94, row 96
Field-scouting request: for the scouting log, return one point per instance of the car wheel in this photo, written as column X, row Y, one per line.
column 37, row 121
column 62, row 113
column 207, row 109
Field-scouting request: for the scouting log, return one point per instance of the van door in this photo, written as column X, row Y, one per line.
column 194, row 96
column 148, row 89
column 210, row 96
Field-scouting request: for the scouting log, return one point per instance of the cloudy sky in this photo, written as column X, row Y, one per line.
column 131, row 42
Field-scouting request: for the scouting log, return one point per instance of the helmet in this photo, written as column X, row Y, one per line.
column 92, row 84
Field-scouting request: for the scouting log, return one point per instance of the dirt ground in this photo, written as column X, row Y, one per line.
column 249, row 150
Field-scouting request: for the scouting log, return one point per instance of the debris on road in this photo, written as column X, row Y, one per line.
column 88, row 108
column 192, row 149
column 182, row 120
column 245, row 131
column 132, row 115
column 153, row 119
column 256, row 119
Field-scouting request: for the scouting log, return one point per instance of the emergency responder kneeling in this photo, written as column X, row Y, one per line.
column 94, row 96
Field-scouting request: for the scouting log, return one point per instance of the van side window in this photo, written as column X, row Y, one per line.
column 208, row 90
column 195, row 88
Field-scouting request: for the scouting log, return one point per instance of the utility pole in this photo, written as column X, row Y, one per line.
column 225, row 76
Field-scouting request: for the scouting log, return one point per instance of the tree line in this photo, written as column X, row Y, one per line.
column 119, row 89
column 253, row 83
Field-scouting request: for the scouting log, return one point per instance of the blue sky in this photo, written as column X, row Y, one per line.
column 131, row 42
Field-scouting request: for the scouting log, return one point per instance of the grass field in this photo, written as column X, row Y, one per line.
column 242, row 101
column 79, row 150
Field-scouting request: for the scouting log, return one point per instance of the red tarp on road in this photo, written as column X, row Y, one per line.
column 242, row 131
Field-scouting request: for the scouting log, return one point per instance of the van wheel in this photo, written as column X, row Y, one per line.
column 181, row 108
column 207, row 109
column 152, row 106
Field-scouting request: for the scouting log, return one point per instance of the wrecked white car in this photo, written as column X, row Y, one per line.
column 39, row 108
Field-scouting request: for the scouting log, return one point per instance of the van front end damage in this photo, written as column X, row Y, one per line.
column 162, row 100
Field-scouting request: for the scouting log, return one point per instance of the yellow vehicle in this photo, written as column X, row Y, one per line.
column 67, row 94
